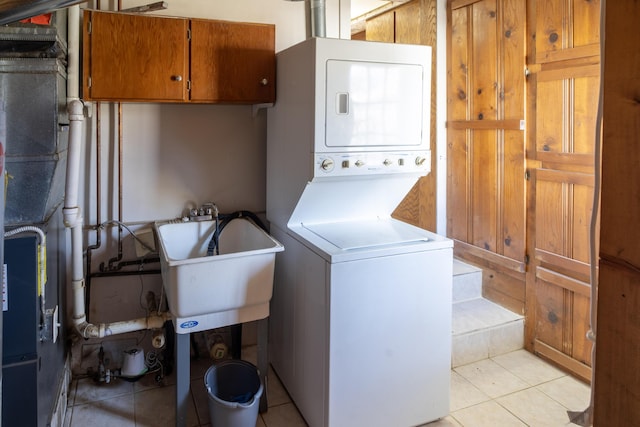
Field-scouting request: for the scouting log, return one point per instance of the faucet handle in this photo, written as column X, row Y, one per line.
column 210, row 209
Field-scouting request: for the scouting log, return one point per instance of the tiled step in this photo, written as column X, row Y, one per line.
column 480, row 328
column 467, row 281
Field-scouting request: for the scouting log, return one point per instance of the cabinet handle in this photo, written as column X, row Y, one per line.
column 264, row 82
column 176, row 78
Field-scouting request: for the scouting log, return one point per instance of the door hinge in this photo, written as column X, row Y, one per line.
column 188, row 85
column 89, row 81
column 189, row 34
column 89, row 27
column 527, row 175
column 526, row 260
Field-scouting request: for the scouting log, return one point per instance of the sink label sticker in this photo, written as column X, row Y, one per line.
column 189, row 324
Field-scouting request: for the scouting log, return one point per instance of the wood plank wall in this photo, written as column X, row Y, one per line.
column 617, row 361
column 413, row 22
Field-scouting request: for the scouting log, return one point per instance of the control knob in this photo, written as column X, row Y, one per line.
column 387, row 162
column 420, row 160
column 326, row 165
column 359, row 163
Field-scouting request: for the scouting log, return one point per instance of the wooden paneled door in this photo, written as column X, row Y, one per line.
column 566, row 83
column 521, row 160
column 486, row 198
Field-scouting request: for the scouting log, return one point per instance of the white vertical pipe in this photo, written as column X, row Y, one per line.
column 318, row 18
column 73, row 54
column 441, row 117
column 71, row 211
column 76, row 112
column 76, row 118
column 77, row 277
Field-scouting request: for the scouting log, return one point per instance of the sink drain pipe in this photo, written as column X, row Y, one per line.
column 72, row 215
column 73, row 220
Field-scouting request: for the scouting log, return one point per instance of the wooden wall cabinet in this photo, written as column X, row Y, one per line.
column 143, row 58
column 232, row 62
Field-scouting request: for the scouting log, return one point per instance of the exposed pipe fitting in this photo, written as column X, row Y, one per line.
column 71, row 217
column 158, row 340
column 75, row 108
column 88, row 330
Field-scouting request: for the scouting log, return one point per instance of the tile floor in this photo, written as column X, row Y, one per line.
column 513, row 389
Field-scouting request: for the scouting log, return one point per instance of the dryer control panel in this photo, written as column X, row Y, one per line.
column 371, row 163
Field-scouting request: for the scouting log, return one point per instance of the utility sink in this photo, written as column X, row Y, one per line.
column 206, row 292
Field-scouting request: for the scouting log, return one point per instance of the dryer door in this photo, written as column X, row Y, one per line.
column 375, row 104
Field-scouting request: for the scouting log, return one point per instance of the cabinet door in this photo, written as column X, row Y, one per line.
column 135, row 58
column 232, row 62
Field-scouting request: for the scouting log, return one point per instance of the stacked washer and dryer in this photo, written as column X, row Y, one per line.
column 360, row 323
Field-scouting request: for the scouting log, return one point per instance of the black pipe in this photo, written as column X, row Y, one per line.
column 138, row 262
column 236, row 341
column 124, row 273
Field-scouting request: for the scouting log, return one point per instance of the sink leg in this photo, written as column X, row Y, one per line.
column 236, row 341
column 263, row 359
column 183, row 375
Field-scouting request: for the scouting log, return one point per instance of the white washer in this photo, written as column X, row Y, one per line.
column 362, row 337
column 360, row 323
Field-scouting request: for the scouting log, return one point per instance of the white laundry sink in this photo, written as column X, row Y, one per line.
column 240, row 277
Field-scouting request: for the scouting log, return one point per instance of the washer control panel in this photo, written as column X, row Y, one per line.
column 373, row 163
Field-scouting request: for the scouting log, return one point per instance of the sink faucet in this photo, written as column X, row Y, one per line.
column 211, row 209
column 206, row 212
